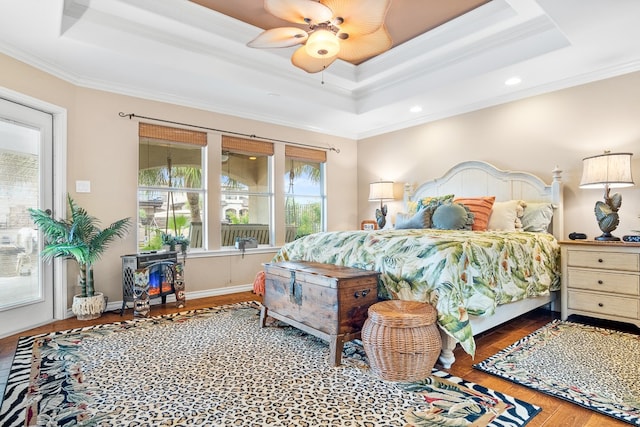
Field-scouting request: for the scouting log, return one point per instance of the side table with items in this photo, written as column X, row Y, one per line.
column 601, row 280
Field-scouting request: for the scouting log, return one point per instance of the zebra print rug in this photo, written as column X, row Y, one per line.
column 218, row 367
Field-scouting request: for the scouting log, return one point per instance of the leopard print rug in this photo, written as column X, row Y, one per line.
column 597, row 368
column 217, row 367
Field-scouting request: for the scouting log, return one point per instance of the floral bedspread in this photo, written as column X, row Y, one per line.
column 459, row 272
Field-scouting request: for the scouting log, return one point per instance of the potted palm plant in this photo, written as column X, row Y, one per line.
column 79, row 238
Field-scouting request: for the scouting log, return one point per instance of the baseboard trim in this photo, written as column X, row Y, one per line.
column 117, row 305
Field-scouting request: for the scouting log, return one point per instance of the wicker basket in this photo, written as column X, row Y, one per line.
column 401, row 340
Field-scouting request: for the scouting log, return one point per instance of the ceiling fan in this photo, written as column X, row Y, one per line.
column 352, row 30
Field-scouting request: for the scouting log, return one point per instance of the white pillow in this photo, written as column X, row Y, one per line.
column 505, row 216
column 537, row 217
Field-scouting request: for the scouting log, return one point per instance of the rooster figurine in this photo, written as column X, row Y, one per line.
column 381, row 216
column 607, row 215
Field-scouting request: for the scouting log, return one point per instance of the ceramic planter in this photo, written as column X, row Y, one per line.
column 88, row 308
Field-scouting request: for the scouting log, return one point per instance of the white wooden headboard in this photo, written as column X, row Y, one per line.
column 477, row 178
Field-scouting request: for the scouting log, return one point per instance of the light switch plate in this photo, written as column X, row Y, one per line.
column 83, row 186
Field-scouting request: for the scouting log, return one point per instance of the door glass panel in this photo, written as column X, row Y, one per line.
column 19, row 190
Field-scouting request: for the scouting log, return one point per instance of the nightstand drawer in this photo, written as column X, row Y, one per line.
column 605, row 260
column 603, row 281
column 603, row 304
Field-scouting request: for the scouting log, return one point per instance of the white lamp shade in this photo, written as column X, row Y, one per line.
column 380, row 191
column 609, row 169
column 322, row 44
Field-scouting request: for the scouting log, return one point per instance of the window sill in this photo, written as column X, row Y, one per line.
column 229, row 251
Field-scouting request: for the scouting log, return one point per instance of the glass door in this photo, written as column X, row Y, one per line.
column 26, row 181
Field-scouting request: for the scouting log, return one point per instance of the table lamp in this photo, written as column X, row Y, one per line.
column 381, row 191
column 606, row 171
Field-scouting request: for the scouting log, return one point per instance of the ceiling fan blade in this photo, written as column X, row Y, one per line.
column 299, row 11
column 279, row 37
column 360, row 17
column 308, row 63
column 357, row 49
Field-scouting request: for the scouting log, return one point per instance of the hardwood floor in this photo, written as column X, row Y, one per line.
column 555, row 412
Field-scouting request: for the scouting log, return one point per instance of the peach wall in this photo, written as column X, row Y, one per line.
column 102, row 148
column 533, row 135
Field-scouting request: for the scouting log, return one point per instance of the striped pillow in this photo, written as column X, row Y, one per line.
column 481, row 208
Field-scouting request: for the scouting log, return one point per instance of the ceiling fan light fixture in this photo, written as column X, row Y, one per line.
column 322, row 44
column 351, row 30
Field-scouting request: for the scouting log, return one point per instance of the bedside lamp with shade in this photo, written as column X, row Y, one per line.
column 381, row 191
column 606, row 171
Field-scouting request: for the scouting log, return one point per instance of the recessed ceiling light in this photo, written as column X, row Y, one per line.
column 415, row 109
column 513, row 81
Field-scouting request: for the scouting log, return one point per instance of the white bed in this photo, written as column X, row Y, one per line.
column 451, row 266
column 476, row 178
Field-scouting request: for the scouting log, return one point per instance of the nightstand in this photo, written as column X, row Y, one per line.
column 601, row 279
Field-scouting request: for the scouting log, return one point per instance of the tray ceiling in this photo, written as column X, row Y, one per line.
column 405, row 19
column 447, row 61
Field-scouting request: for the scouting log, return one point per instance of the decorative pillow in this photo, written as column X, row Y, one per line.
column 537, row 217
column 412, row 207
column 434, row 201
column 402, row 217
column 481, row 208
column 505, row 215
column 519, row 212
column 471, row 217
column 418, row 220
column 430, row 204
column 452, row 216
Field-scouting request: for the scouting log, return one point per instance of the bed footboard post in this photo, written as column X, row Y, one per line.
column 446, row 354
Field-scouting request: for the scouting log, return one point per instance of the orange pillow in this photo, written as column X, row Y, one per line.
column 481, row 208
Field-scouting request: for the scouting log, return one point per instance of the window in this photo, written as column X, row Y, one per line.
column 171, row 192
column 304, row 191
column 173, row 198
column 246, row 196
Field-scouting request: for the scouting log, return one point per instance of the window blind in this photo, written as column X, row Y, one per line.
column 147, row 130
column 307, row 154
column 248, row 146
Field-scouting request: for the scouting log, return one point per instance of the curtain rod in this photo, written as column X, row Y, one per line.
column 132, row 115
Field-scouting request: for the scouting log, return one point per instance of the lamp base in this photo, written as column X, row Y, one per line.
column 607, row 237
column 381, row 215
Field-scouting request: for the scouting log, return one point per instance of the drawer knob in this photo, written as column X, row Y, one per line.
column 600, row 260
column 600, row 282
column 600, row 304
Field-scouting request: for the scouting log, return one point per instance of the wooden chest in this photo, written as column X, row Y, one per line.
column 327, row 301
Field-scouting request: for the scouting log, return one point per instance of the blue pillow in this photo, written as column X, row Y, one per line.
column 418, row 220
column 451, row 216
